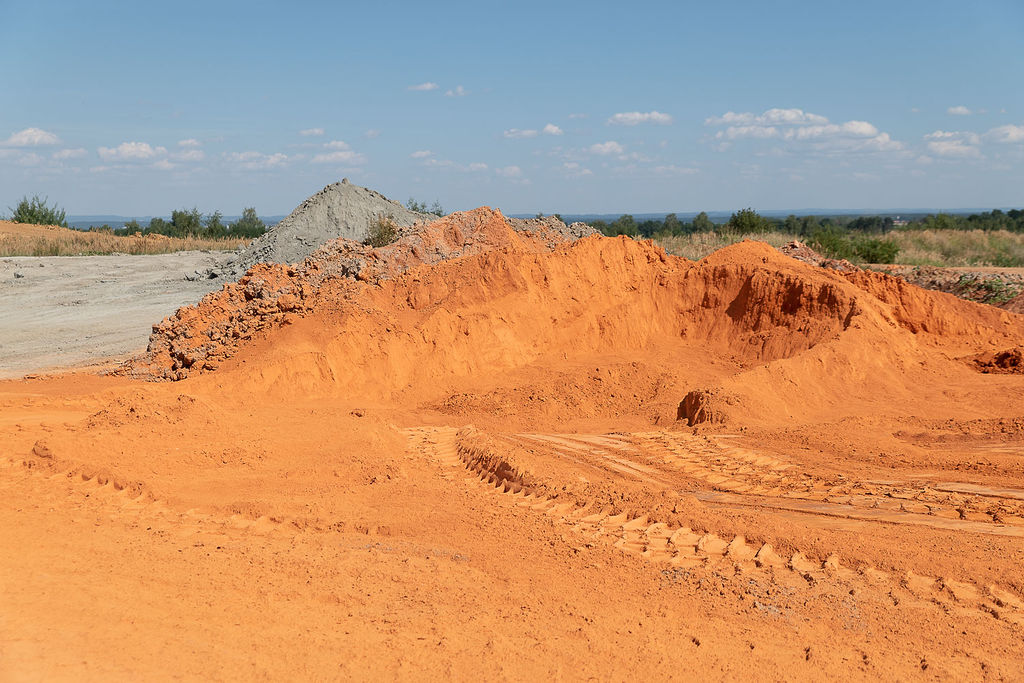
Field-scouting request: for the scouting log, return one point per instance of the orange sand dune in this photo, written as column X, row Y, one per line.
column 485, row 451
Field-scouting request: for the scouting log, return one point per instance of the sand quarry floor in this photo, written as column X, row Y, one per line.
column 485, row 467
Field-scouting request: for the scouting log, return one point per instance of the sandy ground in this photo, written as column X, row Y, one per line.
column 485, row 468
column 67, row 311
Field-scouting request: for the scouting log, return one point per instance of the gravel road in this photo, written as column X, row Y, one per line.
column 70, row 311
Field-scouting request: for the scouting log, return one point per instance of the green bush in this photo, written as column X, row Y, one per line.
column 383, row 231
column 38, row 212
column 873, row 250
column 835, row 243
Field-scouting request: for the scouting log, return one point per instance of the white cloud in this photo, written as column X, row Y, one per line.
column 189, row 155
column 551, row 129
column 30, row 159
column 31, row 137
column 421, row 154
column 311, row 132
column 191, row 142
column 672, row 169
column 424, row 86
column 337, row 144
column 577, row 116
column 75, row 153
column 813, row 131
column 477, row 166
column 633, row 118
column 371, row 134
column 517, row 133
column 954, row 144
column 606, row 148
column 1006, row 134
column 459, row 91
column 959, row 110
column 131, row 151
column 574, row 170
column 792, row 117
column 163, row 165
column 341, row 156
column 255, row 161
column 509, row 172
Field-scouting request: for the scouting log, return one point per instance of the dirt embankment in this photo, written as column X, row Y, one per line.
column 198, row 338
column 468, row 296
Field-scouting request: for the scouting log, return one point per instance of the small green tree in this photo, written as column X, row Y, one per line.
column 249, row 225
column 38, row 212
column 701, row 223
column 186, row 222
column 747, row 222
column 215, row 225
column 672, row 225
column 625, row 225
column 421, row 207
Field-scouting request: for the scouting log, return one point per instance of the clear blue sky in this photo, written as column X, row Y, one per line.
column 137, row 108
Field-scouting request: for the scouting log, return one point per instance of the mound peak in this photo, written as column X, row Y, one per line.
column 338, row 210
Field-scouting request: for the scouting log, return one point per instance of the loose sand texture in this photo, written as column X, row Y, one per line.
column 73, row 310
column 490, row 450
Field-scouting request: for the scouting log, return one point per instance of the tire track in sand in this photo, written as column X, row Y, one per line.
column 123, row 500
column 682, row 547
column 738, row 476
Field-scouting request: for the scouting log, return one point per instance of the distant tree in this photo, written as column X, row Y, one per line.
column 791, row 225
column 214, row 225
column 249, row 225
column 601, row 226
column 701, row 223
column 158, row 226
column 649, row 227
column 672, row 225
column 186, row 222
column 748, row 222
column 941, row 221
column 132, row 227
column 38, row 212
column 624, row 225
column 421, row 207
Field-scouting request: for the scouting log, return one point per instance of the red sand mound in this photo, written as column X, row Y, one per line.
column 197, row 338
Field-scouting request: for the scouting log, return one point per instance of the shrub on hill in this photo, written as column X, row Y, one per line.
column 38, row 212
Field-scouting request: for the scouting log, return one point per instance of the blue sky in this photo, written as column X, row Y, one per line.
column 138, row 108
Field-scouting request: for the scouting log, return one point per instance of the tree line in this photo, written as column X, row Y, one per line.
column 192, row 223
column 749, row 222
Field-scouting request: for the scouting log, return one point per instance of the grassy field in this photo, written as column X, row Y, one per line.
column 917, row 247
column 18, row 239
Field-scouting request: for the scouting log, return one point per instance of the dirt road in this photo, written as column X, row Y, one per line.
column 69, row 311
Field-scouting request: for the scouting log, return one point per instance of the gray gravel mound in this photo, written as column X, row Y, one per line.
column 338, row 210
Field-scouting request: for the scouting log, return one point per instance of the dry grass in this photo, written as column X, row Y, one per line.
column 699, row 244
column 17, row 239
column 944, row 248
column 959, row 248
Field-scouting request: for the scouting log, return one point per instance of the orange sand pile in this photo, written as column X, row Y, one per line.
column 742, row 466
